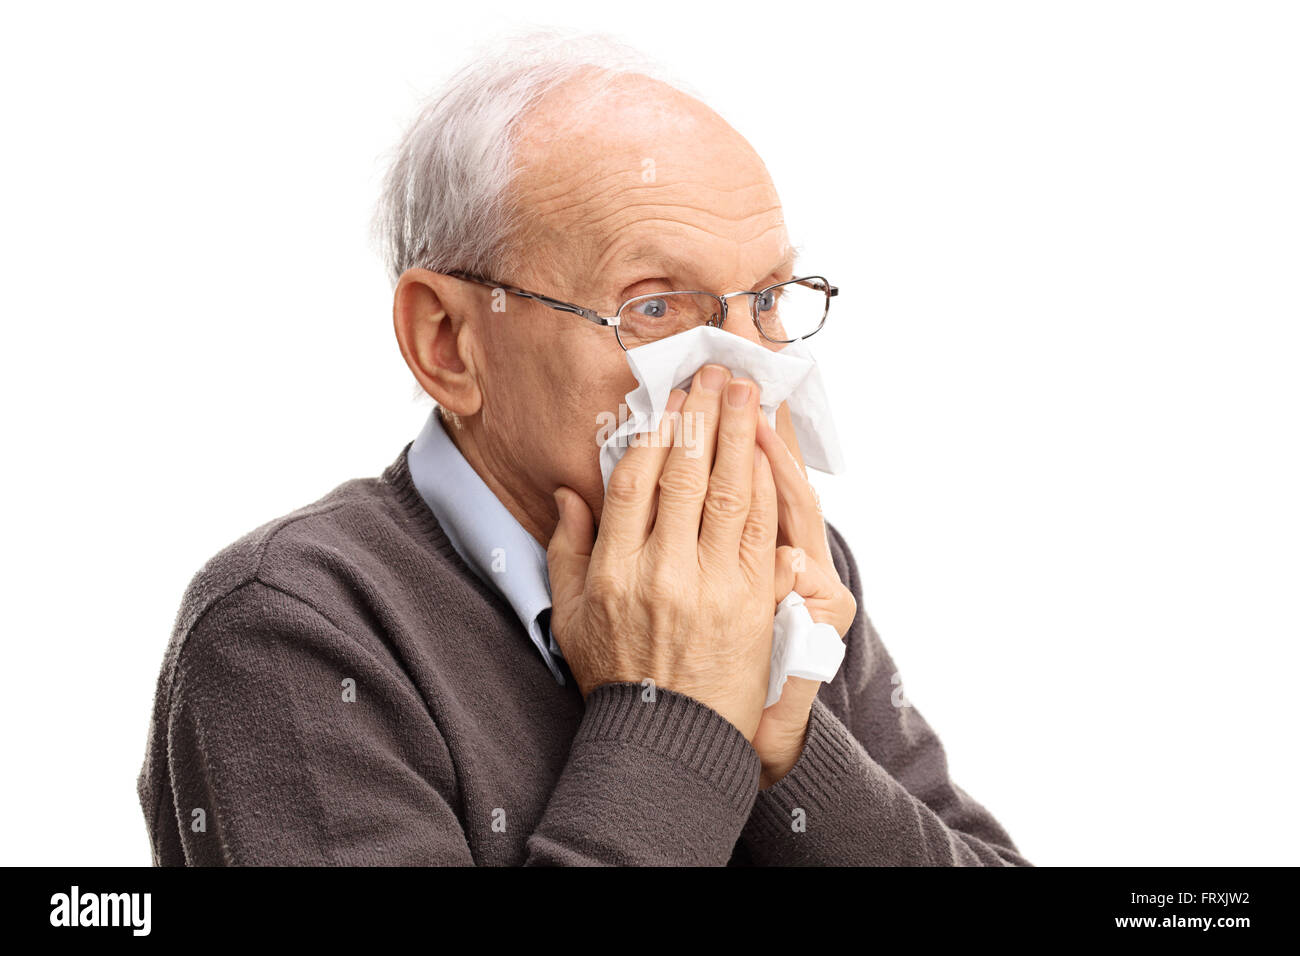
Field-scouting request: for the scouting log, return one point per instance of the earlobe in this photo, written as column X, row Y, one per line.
column 429, row 320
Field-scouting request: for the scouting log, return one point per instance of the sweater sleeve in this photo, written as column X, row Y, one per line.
column 653, row 778
column 288, row 743
column 872, row 788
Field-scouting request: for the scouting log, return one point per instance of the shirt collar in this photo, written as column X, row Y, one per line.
column 484, row 533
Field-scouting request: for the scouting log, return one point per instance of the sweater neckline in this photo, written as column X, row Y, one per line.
column 398, row 477
column 414, row 508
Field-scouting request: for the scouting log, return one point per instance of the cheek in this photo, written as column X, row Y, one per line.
column 583, row 412
column 589, row 412
column 587, row 376
column 563, row 384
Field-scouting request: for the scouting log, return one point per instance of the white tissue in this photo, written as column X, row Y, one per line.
column 800, row 647
column 789, row 376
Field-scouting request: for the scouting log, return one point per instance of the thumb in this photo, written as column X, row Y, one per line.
column 569, row 552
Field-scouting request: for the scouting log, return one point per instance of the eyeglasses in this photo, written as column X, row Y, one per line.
column 783, row 313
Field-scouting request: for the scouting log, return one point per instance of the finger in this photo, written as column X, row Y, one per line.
column 629, row 507
column 785, row 428
column 568, row 554
column 758, row 540
column 726, row 504
column 685, row 477
column 799, row 511
column 797, row 573
column 796, row 697
column 827, row 600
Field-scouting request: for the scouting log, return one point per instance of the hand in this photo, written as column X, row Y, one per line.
column 678, row 586
column 803, row 564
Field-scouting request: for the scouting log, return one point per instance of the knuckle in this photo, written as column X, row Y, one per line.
column 755, row 538
column 680, row 483
column 735, row 449
column 725, row 500
column 626, row 485
column 850, row 604
column 731, row 437
column 661, row 584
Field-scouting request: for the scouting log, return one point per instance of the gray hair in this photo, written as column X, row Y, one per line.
column 444, row 204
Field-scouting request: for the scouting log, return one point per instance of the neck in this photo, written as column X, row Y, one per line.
column 525, row 503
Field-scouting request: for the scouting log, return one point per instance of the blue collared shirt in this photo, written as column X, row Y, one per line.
column 484, row 533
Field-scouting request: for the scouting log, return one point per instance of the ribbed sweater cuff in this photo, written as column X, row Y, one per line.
column 813, row 783
column 658, row 782
column 680, row 729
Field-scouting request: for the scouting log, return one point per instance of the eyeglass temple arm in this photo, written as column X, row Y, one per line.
column 591, row 315
column 829, row 289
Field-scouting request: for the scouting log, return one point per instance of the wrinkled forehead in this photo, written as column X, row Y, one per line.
column 638, row 172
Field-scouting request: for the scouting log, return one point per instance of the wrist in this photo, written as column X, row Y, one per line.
column 771, row 774
column 776, row 762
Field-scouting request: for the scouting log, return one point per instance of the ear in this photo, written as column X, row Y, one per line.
column 430, row 318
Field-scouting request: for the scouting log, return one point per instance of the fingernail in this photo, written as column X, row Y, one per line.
column 737, row 394
column 712, row 377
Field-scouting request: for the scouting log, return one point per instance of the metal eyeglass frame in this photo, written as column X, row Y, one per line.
column 591, row 315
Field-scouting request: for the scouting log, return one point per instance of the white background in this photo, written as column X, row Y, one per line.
column 1064, row 358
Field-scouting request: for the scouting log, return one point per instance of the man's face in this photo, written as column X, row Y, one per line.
column 649, row 191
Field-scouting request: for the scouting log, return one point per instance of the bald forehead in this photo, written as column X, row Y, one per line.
column 598, row 168
column 623, row 109
column 584, row 139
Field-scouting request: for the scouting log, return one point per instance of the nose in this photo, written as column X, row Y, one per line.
column 738, row 318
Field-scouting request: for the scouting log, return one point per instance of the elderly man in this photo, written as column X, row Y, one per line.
column 484, row 656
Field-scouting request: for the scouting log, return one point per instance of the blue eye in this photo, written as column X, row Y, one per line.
column 767, row 301
column 652, row 308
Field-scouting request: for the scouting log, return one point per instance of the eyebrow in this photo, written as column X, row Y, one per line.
column 681, row 267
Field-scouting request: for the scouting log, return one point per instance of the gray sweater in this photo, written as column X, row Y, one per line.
column 340, row 688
